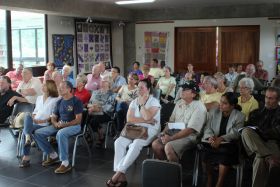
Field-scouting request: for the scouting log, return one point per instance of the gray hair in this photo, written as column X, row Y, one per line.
column 247, row 82
column 211, row 80
column 82, row 77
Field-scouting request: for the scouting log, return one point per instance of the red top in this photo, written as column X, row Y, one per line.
column 83, row 95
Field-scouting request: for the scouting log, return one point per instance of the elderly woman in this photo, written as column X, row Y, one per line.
column 220, row 140
column 145, row 75
column 210, row 97
column 66, row 71
column 167, row 85
column 143, row 111
column 126, row 94
column 80, row 92
column 50, row 69
column 221, row 79
column 100, row 106
column 246, row 100
column 40, row 118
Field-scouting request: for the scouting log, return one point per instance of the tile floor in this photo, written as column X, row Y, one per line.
column 92, row 171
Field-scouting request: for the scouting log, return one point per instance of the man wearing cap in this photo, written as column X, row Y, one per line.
column 66, row 120
column 190, row 111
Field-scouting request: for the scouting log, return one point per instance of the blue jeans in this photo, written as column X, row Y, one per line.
column 28, row 128
column 62, row 135
column 121, row 111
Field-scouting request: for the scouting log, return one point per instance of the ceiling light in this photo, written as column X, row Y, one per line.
column 134, row 2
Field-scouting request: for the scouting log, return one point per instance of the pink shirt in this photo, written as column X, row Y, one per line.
column 93, row 83
column 14, row 78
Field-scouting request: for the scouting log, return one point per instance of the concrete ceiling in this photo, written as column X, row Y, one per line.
column 166, row 4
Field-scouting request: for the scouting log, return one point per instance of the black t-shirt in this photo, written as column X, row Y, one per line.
column 5, row 110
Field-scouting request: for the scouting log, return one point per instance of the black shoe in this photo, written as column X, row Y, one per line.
column 24, row 164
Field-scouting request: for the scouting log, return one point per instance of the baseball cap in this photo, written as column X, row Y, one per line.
column 190, row 85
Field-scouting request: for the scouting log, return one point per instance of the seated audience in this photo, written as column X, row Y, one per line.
column 155, row 71
column 66, row 119
column 239, row 70
column 57, row 77
column 104, row 74
column 8, row 98
column 146, row 75
column 93, row 79
column 16, row 76
column 48, row 73
column 261, row 73
column 81, row 92
column 262, row 142
column 211, row 98
column 40, row 118
column 186, row 79
column 167, row 85
column 222, row 88
column 247, row 102
column 190, row 111
column 220, row 139
column 117, row 79
column 100, row 106
column 143, row 111
column 136, row 68
column 250, row 71
column 30, row 87
column 231, row 75
column 66, row 71
column 126, row 94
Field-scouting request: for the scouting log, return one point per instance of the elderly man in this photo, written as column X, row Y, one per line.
column 30, row 87
column 190, row 111
column 16, row 76
column 104, row 74
column 94, row 79
column 118, row 80
column 250, row 71
column 7, row 98
column 211, row 97
column 66, row 120
column 261, row 73
column 263, row 141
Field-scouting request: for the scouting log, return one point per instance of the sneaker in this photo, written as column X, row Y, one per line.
column 49, row 161
column 63, row 169
column 24, row 164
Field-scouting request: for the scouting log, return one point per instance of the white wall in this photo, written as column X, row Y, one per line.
column 60, row 25
column 267, row 36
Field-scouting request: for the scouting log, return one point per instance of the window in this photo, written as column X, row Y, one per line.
column 28, row 39
column 3, row 39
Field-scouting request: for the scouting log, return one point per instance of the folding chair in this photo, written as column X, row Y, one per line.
column 161, row 173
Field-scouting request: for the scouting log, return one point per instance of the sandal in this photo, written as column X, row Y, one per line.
column 24, row 164
column 111, row 183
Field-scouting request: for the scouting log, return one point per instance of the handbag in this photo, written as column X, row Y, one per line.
column 17, row 121
column 132, row 131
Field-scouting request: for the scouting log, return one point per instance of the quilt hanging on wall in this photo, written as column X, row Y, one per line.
column 156, row 46
column 63, row 49
column 93, row 45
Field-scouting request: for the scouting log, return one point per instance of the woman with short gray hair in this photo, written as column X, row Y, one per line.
column 246, row 99
column 81, row 92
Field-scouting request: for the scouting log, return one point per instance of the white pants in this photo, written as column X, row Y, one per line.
column 123, row 158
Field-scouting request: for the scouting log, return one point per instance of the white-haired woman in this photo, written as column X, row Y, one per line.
column 81, row 92
column 246, row 99
column 221, row 79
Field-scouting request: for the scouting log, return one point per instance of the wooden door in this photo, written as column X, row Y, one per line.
column 195, row 45
column 238, row 45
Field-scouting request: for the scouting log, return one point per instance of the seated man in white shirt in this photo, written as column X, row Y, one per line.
column 30, row 87
column 190, row 111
